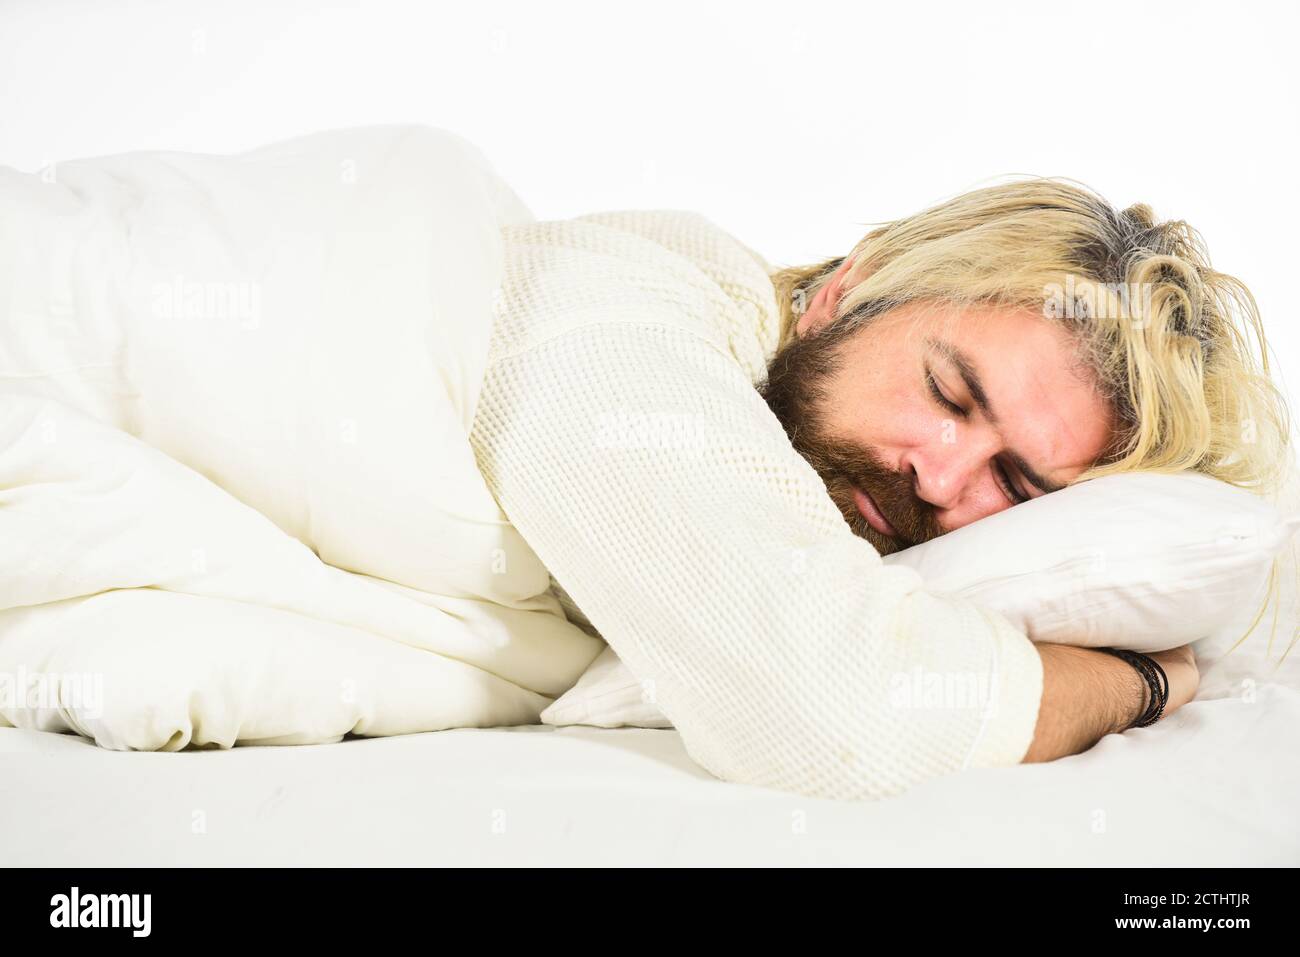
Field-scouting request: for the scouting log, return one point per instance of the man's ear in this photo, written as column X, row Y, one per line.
column 822, row 309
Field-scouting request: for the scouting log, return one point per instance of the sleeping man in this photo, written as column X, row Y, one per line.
column 989, row 350
column 334, row 438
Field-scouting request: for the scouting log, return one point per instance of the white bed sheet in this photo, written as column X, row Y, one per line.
column 1215, row 784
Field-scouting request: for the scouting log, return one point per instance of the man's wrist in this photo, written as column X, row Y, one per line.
column 1087, row 694
column 1132, row 694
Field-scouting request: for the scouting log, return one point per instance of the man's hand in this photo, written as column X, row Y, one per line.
column 1184, row 676
column 1089, row 694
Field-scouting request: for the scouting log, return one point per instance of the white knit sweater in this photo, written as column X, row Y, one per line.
column 620, row 430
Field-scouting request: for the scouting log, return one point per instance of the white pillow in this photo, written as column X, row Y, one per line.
column 607, row 696
column 1141, row 561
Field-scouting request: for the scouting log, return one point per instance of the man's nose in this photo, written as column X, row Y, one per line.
column 948, row 477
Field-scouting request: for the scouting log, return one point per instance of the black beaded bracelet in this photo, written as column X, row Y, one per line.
column 1156, row 679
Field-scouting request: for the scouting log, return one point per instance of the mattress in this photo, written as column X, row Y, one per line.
column 1215, row 784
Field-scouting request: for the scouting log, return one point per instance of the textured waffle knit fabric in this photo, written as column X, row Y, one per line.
column 620, row 429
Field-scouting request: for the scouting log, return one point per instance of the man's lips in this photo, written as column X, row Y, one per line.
column 871, row 512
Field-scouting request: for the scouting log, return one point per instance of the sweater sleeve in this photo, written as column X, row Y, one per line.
column 650, row 477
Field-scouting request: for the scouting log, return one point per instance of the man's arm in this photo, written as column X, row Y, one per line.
column 651, row 479
column 1089, row 694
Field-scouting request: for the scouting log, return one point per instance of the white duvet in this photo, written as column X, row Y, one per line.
column 237, row 499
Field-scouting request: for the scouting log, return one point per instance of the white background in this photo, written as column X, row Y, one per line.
column 792, row 124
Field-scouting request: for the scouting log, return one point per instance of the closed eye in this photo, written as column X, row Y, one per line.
column 1008, row 487
column 933, row 385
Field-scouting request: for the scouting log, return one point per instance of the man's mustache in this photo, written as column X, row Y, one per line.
column 843, row 467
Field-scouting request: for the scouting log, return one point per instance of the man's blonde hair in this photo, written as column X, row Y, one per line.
column 1176, row 347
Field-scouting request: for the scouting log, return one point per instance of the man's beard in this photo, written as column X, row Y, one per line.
column 794, row 390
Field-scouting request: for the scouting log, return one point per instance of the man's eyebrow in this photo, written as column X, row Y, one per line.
column 970, row 375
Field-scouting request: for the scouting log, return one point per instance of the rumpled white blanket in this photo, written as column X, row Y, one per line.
column 237, row 499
